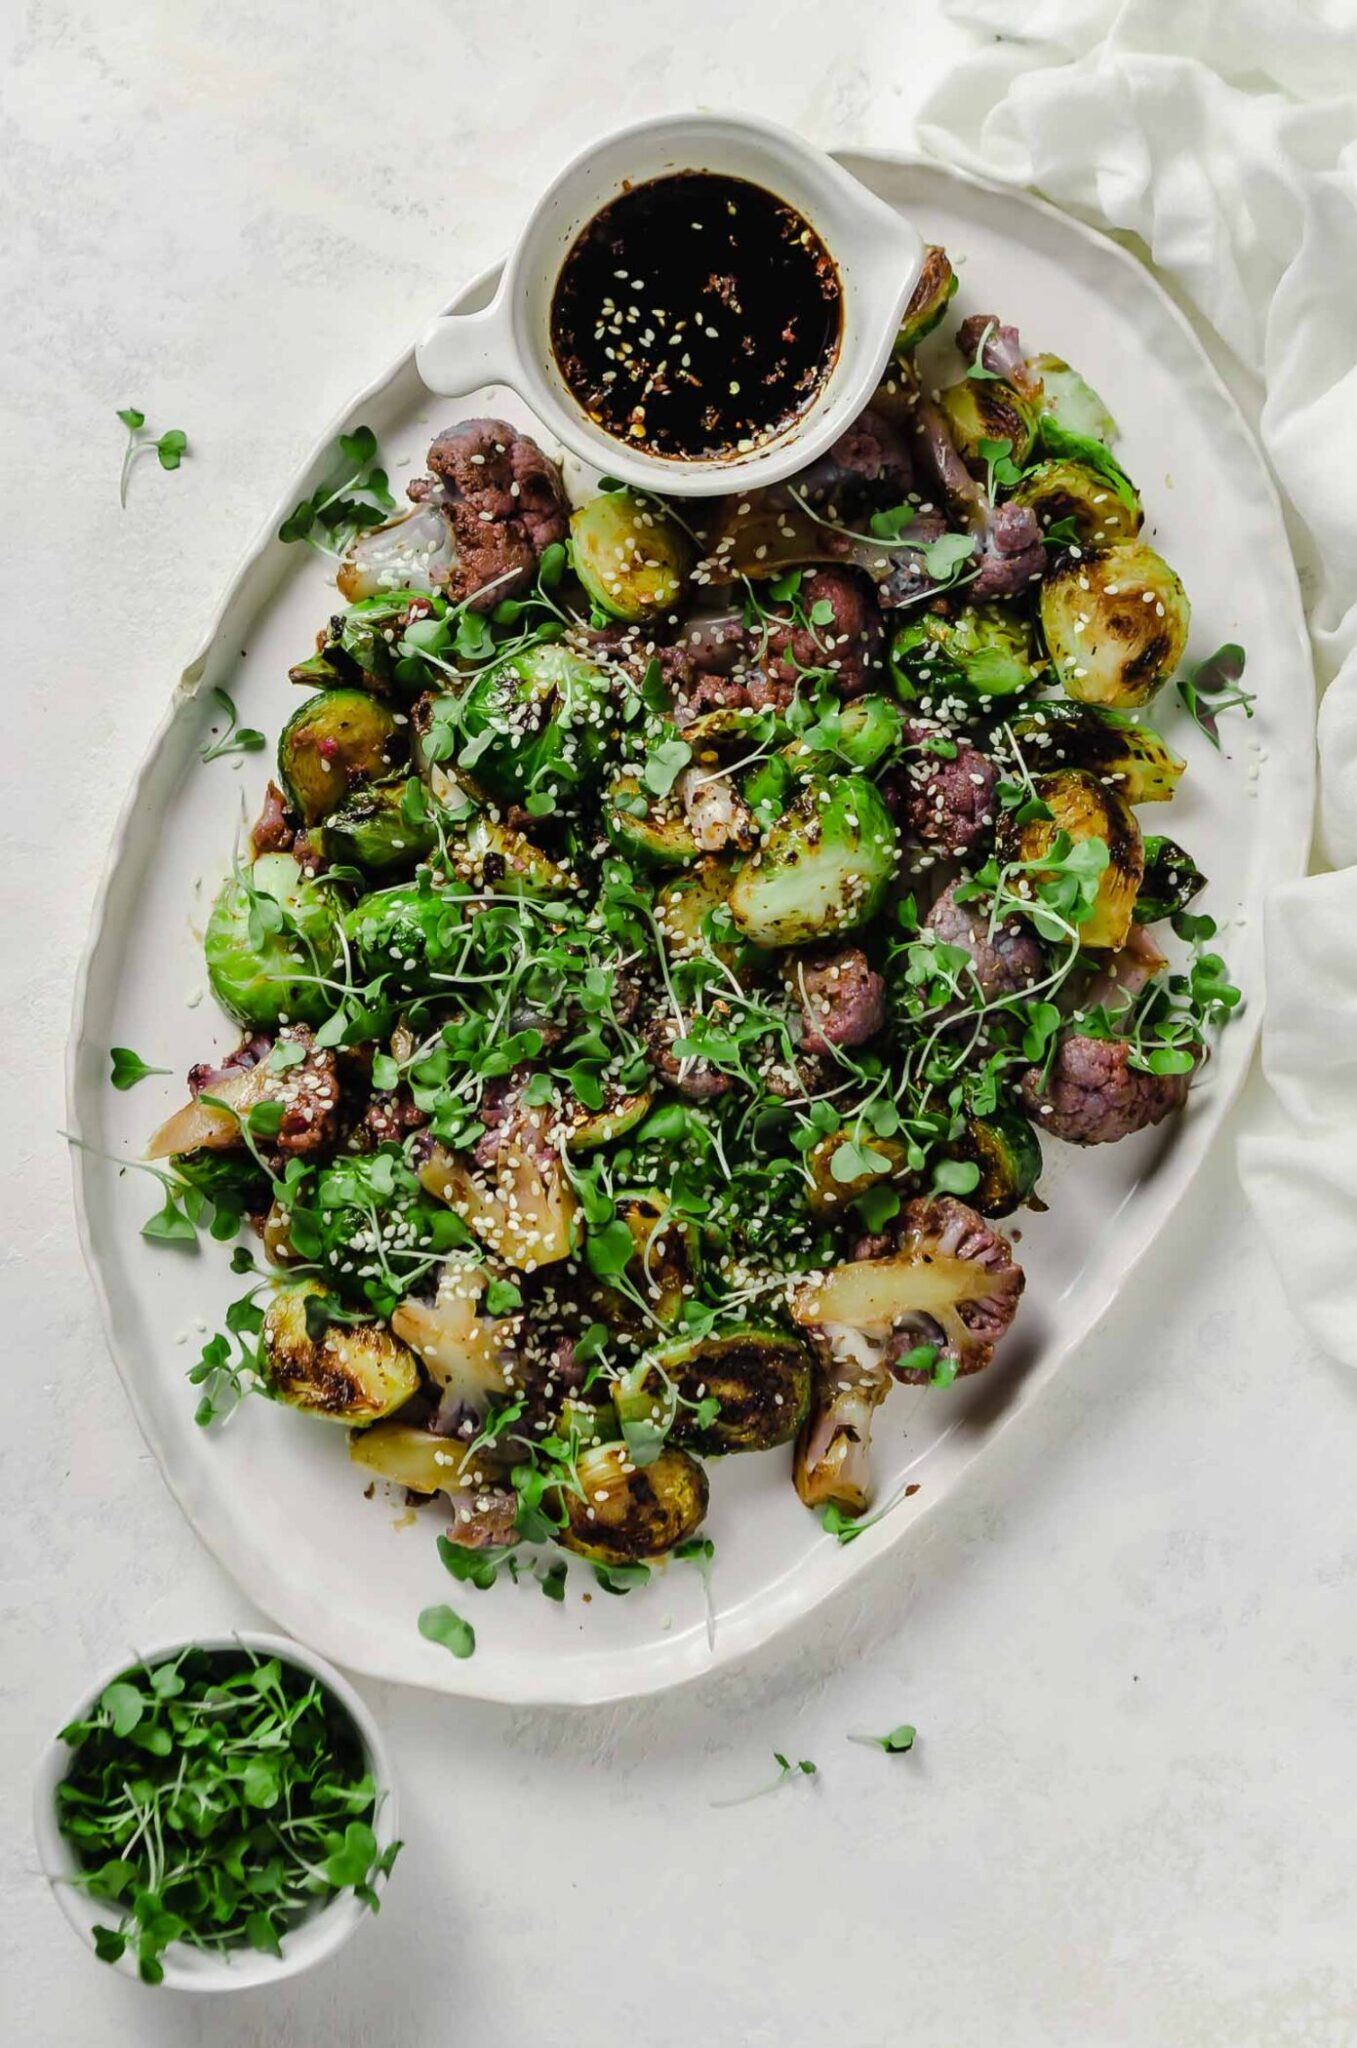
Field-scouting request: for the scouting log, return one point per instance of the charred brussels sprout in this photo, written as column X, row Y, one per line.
column 1082, row 808
column 1115, row 623
column 863, row 734
column 692, row 911
column 407, row 932
column 760, row 1379
column 540, row 721
column 335, row 741
column 621, row 1112
column 630, row 556
column 626, row 1513
column 361, row 645
column 988, row 411
column 986, row 650
column 387, row 825
column 928, row 301
column 487, row 855
column 345, row 1371
column 1071, row 496
column 829, row 1193
column 654, row 832
column 1172, row 879
column 1073, row 403
column 271, row 935
column 824, row 867
column 1008, row 1153
column 1107, row 744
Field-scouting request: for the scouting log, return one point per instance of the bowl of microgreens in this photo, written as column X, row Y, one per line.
column 218, row 1814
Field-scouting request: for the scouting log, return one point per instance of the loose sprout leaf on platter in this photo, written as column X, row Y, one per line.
column 444, row 1625
column 128, row 1067
column 170, row 448
column 352, row 496
column 1213, row 686
column 897, row 1743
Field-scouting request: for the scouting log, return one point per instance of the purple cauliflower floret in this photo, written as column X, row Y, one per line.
column 948, row 805
column 1004, row 961
column 843, row 999
column 504, row 502
column 964, row 1332
column 1004, row 355
column 869, row 458
column 695, row 1078
column 1012, row 553
column 849, row 645
column 1093, row 1095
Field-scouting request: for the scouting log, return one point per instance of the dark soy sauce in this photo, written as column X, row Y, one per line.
column 696, row 316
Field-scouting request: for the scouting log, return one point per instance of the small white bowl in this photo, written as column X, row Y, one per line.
column 878, row 253
column 192, row 1969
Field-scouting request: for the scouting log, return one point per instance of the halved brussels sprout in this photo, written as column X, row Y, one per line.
column 768, row 788
column 928, row 301
column 683, row 904
column 379, row 828
column 491, row 856
column 626, row 1513
column 542, row 720
column 620, row 1113
column 233, row 1180
column 1008, row 1153
column 736, row 726
column 1067, row 398
column 988, row 410
column 826, row 1194
column 868, row 729
column 761, row 1379
column 630, row 556
column 1062, row 492
column 986, row 649
column 523, row 1208
column 407, row 932
column 270, row 978
column 1084, row 808
column 361, row 644
column 1107, row 744
column 421, row 1461
column 1116, row 622
column 1172, row 879
column 347, row 1372
column 653, row 831
column 824, row 867
column 662, row 1266
column 335, row 741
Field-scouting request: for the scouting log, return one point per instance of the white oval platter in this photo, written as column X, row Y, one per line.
column 272, row 1493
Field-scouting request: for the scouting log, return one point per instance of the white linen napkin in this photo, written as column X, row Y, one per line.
column 1224, row 134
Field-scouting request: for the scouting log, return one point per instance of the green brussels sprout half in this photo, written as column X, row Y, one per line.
column 827, row 1195
column 381, row 827
column 761, row 1379
column 630, row 556
column 1107, row 744
column 928, row 301
column 626, row 1513
column 407, row 933
column 1172, row 879
column 340, row 1370
column 861, row 735
column 651, row 831
column 1084, row 808
column 270, row 932
column 586, row 1131
column 683, row 905
column 1073, row 403
column 1007, row 1151
column 824, row 867
column 1071, row 495
column 1116, row 623
column 987, row 650
column 488, row 855
column 769, row 788
column 354, row 647
column 232, row 1180
column 337, row 739
column 988, row 410
column 540, row 721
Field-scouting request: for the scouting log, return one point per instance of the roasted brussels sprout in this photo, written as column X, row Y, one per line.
column 662, row 1265
column 623, row 1513
column 1073, row 403
column 1172, row 879
column 949, row 1283
column 630, row 556
column 316, row 1359
column 1008, row 1153
column 271, row 939
column 1116, row 622
column 522, row 1208
column 407, row 932
column 827, row 1194
column 381, row 828
column 986, row 649
column 1108, row 744
column 654, row 832
column 336, row 740
column 621, row 1112
column 760, row 1378
column 539, row 721
column 866, row 731
column 991, row 410
column 233, row 1181
column 1084, row 808
column 833, row 1463
column 487, row 855
column 928, row 301
column 1065, row 493
column 824, row 867
column 361, row 644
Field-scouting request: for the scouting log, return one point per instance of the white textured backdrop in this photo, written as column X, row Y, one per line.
column 1127, row 1642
